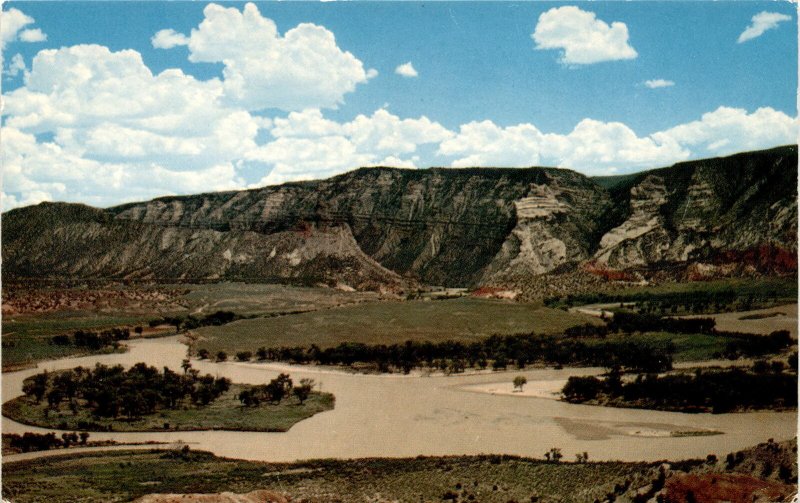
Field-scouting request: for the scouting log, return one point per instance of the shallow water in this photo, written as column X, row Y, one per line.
column 398, row 416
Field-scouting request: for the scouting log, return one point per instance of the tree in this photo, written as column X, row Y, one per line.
column 84, row 437
column 138, row 330
column 554, row 455
column 520, row 382
column 581, row 389
column 278, row 388
column 248, row 398
column 222, row 356
column 244, row 356
column 36, row 386
column 500, row 363
column 303, row 391
column 186, row 365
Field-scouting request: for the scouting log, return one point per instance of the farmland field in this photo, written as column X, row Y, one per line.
column 390, row 322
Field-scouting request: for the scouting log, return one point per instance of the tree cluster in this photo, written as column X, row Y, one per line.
column 192, row 322
column 749, row 345
column 28, row 441
column 276, row 390
column 717, row 391
column 702, row 301
column 111, row 391
column 92, row 340
column 497, row 351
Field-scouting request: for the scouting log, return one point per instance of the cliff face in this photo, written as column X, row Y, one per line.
column 382, row 227
column 710, row 210
column 440, row 226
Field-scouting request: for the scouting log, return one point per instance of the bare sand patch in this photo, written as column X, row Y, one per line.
column 550, row 389
column 603, row 430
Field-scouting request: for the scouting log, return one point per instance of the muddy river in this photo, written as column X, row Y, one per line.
column 393, row 415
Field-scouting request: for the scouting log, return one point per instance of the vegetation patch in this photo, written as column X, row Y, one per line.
column 637, row 342
column 144, row 399
column 29, row 339
column 698, row 297
column 33, row 317
column 124, row 476
column 127, row 475
column 765, row 386
column 461, row 320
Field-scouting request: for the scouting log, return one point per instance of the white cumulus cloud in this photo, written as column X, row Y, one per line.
column 582, row 38
column 727, row 130
column 16, row 66
column 657, row 83
column 12, row 23
column 303, row 68
column 592, row 147
column 308, row 146
column 168, row 38
column 760, row 23
column 406, row 70
column 597, row 147
column 32, row 35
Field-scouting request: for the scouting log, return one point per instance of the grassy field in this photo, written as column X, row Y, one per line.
column 462, row 319
column 782, row 287
column 26, row 335
column 26, row 338
column 688, row 347
column 733, row 294
column 124, row 476
column 224, row 413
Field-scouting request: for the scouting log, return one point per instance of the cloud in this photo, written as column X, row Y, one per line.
column 486, row 144
column 657, row 83
column 592, row 147
column 304, row 68
column 16, row 66
column 582, row 37
column 295, row 159
column 383, row 133
column 169, row 38
column 727, row 130
column 95, row 125
column 98, row 126
column 35, row 172
column 117, row 132
column 11, row 28
column 596, row 147
column 406, row 70
column 395, row 162
column 33, row 35
column 760, row 23
column 310, row 146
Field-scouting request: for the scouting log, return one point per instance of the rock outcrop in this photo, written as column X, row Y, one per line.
column 389, row 228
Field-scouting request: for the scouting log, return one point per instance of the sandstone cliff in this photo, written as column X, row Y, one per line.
column 387, row 228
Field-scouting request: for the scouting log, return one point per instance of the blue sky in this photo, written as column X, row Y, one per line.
column 486, row 90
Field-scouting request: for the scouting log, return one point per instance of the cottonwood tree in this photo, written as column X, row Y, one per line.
column 303, row 391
